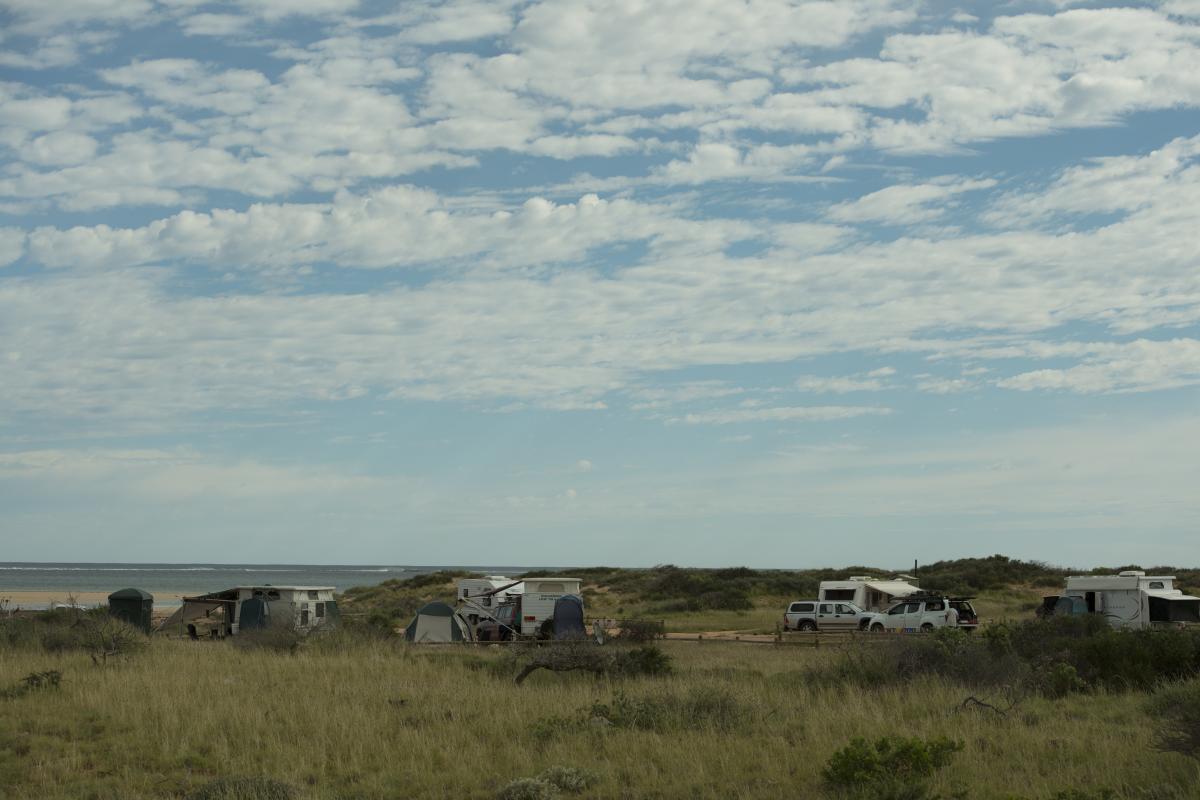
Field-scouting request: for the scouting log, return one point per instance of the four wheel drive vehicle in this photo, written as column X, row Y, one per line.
column 503, row 627
column 926, row 612
column 813, row 615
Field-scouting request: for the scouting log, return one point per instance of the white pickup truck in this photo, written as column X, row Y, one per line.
column 814, row 615
column 926, row 612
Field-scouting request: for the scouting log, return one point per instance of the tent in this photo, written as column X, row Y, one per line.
column 568, row 617
column 437, row 622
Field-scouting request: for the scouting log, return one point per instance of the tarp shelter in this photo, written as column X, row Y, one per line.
column 568, row 617
column 206, row 614
column 436, row 622
column 135, row 606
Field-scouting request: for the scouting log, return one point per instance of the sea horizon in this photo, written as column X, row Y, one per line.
column 68, row 577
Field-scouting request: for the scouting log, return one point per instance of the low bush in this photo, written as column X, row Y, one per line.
column 896, row 768
column 646, row 660
column 528, row 789
column 244, row 789
column 1053, row 657
column 1179, row 708
column 640, row 630
column 65, row 630
column 280, row 636
column 35, row 681
column 697, row 708
column 570, row 779
column 586, row 656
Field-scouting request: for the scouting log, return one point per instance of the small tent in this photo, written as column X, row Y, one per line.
column 568, row 617
column 437, row 622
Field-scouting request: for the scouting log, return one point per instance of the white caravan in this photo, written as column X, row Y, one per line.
column 868, row 593
column 522, row 604
column 1130, row 599
column 539, row 597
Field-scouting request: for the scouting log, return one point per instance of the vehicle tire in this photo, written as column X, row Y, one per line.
column 927, row 627
column 877, row 627
column 808, row 626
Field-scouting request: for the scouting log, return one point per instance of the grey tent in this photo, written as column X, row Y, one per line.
column 568, row 617
column 437, row 622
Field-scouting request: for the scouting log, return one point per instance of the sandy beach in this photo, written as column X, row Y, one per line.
column 42, row 599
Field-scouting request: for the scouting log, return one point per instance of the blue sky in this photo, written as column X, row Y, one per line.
column 599, row 281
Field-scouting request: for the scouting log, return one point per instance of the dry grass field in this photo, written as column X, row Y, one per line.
column 347, row 717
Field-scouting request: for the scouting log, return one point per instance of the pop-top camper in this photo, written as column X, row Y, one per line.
column 499, row 608
column 869, row 594
column 245, row 607
column 1130, row 599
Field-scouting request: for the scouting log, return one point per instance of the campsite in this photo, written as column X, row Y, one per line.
column 362, row 710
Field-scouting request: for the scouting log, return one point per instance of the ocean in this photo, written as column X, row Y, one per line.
column 199, row 578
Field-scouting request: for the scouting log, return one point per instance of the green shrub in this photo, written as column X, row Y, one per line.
column 280, row 635
column 1058, row 680
column 528, row 789
column 895, row 768
column 34, row 681
column 570, row 779
column 698, row 708
column 640, row 630
column 244, row 789
column 647, row 660
column 1179, row 708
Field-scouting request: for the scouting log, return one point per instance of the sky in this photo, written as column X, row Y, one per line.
column 774, row 283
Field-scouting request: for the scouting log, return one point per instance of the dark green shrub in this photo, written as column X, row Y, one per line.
column 897, row 767
column 646, row 660
column 640, row 630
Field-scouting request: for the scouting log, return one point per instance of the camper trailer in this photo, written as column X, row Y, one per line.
column 1130, row 599
column 241, row 608
column 871, row 594
column 531, row 610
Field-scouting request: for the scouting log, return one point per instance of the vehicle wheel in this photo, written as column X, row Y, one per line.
column 877, row 627
column 807, row 626
column 927, row 627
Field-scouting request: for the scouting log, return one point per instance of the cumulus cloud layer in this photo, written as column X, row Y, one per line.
column 739, row 221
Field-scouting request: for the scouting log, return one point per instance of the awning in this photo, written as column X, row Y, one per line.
column 893, row 588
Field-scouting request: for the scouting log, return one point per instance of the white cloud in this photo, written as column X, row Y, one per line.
column 780, row 414
column 1138, row 366
column 397, row 226
column 12, row 245
column 838, row 384
column 907, row 204
column 1106, row 185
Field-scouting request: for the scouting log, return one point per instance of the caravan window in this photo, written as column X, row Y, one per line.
column 312, row 595
column 839, row 594
column 273, row 594
column 550, row 588
column 320, row 610
column 1156, row 585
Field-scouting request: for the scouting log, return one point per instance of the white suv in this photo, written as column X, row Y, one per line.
column 814, row 615
column 924, row 613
